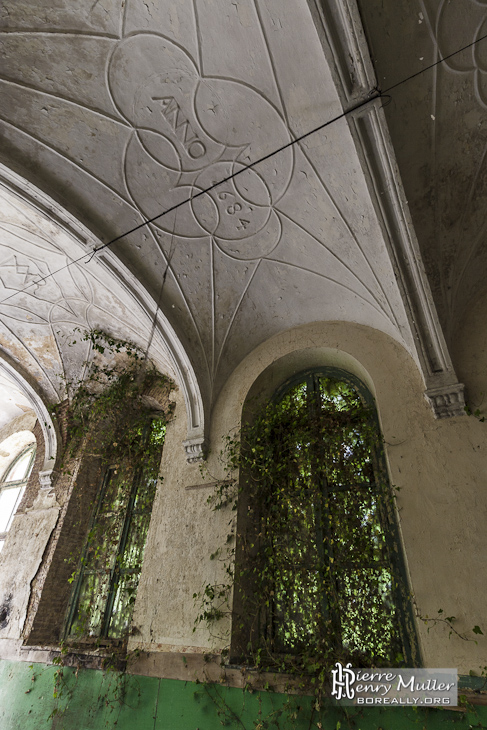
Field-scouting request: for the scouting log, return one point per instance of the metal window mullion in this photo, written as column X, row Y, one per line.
column 322, row 519
column 398, row 572
column 73, row 605
column 11, row 485
column 116, row 570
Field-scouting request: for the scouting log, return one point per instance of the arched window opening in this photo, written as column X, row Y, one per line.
column 105, row 584
column 319, row 568
column 12, row 487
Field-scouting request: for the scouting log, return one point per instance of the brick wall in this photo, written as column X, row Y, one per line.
column 76, row 488
column 32, row 488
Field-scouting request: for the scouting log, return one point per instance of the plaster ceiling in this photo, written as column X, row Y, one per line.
column 49, row 301
column 121, row 112
column 13, row 403
column 113, row 112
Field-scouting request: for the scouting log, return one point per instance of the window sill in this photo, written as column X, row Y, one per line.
column 85, row 654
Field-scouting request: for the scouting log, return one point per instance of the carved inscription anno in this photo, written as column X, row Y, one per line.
column 171, row 111
column 191, row 133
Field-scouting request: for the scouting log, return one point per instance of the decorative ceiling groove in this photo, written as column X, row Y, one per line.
column 166, row 350
column 154, row 104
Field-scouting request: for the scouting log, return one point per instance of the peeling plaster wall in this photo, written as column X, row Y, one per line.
column 20, row 560
column 470, row 354
column 438, row 465
column 182, row 535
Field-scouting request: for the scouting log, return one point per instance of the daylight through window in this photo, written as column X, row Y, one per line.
column 12, row 487
column 107, row 579
column 324, row 575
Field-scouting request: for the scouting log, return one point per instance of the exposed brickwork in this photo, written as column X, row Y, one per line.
column 33, row 486
column 77, row 486
column 63, row 482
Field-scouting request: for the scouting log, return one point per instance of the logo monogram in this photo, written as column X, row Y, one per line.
column 343, row 678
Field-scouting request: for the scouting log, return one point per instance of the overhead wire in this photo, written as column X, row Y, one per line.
column 374, row 94
column 436, row 63
column 205, row 191
column 159, row 299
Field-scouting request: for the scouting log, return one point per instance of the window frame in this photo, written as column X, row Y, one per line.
column 117, row 571
column 387, row 517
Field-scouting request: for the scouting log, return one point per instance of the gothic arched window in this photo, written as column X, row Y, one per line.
column 12, row 487
column 319, row 568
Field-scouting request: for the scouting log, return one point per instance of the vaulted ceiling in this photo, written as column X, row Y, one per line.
column 112, row 113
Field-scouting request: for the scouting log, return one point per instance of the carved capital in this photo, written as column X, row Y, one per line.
column 447, row 400
column 46, row 478
column 195, row 450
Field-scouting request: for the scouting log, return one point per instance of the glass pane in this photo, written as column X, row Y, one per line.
column 346, row 458
column 145, row 495
column 368, row 616
column 103, row 541
column 136, row 539
column 92, row 600
column 298, row 578
column 337, row 395
column 116, row 491
column 123, row 605
column 9, row 500
column 355, row 530
column 296, row 396
column 295, row 616
column 20, row 469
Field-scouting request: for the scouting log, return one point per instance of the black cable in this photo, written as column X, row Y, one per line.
column 436, row 63
column 239, row 172
column 374, row 94
column 159, row 299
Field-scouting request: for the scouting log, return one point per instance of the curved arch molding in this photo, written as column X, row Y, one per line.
column 47, row 425
column 342, row 34
column 62, row 235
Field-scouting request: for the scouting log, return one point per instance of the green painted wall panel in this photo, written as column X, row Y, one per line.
column 95, row 700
